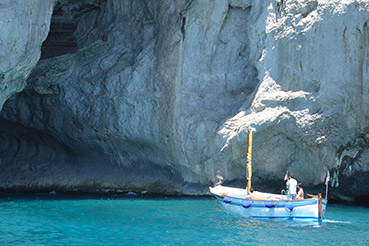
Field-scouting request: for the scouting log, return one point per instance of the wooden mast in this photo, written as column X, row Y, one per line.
column 248, row 166
column 320, row 212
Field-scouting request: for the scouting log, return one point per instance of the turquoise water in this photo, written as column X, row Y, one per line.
column 166, row 221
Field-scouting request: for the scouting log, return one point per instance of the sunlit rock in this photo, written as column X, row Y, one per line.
column 159, row 95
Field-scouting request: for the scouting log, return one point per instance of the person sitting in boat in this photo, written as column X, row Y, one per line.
column 300, row 194
column 291, row 186
column 255, row 196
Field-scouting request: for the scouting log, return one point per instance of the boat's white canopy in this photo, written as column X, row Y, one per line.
column 242, row 193
column 228, row 191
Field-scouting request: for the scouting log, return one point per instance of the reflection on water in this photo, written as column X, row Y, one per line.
column 250, row 223
column 337, row 221
column 254, row 223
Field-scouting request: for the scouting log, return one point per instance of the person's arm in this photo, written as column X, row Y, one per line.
column 300, row 194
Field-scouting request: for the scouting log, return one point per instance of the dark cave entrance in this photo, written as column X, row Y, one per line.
column 61, row 39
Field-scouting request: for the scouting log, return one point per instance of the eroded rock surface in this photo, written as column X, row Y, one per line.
column 24, row 25
column 159, row 95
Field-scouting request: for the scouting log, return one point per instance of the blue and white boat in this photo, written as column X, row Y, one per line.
column 244, row 203
column 266, row 205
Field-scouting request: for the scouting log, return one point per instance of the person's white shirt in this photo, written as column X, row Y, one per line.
column 292, row 183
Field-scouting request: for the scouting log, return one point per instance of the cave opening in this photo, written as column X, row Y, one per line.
column 362, row 200
column 62, row 34
column 31, row 155
column 61, row 39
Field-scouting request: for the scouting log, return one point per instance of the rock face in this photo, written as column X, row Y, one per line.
column 24, row 25
column 159, row 95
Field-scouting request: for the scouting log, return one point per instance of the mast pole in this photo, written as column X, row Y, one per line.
column 248, row 164
column 320, row 212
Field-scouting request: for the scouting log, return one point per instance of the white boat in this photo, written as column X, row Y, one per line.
column 244, row 203
column 266, row 205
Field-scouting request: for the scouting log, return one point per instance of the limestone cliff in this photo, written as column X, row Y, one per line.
column 24, row 26
column 159, row 95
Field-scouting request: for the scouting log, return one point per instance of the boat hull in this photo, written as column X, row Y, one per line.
column 236, row 201
column 299, row 209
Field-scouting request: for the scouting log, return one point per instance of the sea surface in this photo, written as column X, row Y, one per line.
column 166, row 221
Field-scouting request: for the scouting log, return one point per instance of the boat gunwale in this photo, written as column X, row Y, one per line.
column 269, row 200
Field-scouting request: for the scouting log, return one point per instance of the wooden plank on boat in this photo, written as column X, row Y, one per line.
column 311, row 195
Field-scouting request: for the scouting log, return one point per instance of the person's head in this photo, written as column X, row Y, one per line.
column 299, row 185
column 291, row 176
